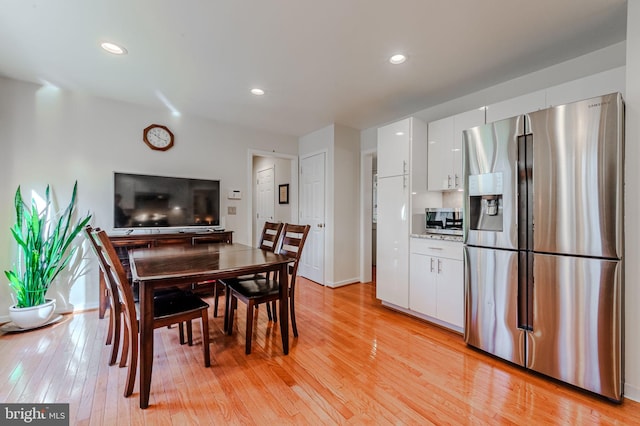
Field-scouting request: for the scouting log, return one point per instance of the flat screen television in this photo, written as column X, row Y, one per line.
column 143, row 201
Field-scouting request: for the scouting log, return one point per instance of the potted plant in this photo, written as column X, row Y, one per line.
column 44, row 242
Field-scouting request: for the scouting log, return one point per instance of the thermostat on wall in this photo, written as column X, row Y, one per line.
column 234, row 195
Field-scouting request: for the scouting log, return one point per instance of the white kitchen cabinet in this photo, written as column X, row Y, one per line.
column 445, row 149
column 401, row 164
column 392, row 263
column 422, row 285
column 450, row 291
column 516, row 106
column 462, row 122
column 440, row 158
column 394, row 145
column 436, row 281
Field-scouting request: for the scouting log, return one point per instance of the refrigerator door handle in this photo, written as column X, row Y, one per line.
column 515, row 185
column 525, row 302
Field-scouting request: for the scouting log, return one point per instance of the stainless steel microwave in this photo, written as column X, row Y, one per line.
column 443, row 221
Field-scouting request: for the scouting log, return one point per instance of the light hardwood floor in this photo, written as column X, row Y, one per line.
column 355, row 362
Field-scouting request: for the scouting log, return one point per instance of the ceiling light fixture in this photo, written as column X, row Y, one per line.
column 257, row 92
column 113, row 48
column 397, row 59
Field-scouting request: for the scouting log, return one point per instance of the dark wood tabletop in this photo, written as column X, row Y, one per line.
column 159, row 267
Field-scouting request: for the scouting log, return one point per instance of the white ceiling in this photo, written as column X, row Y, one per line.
column 319, row 61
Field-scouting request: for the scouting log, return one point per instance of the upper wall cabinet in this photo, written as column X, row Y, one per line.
column 441, row 143
column 516, row 106
column 394, row 146
column 445, row 149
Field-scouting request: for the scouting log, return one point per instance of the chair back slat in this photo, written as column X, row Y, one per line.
column 270, row 236
column 293, row 239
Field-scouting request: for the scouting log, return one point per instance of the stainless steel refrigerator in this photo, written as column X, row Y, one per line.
column 543, row 237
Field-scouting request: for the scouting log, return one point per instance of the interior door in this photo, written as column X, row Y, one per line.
column 312, row 212
column 265, row 201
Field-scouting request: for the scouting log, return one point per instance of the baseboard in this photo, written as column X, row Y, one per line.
column 68, row 309
column 632, row 392
column 342, row 283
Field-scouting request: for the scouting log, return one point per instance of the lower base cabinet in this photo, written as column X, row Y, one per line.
column 436, row 281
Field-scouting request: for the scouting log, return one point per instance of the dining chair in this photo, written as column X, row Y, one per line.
column 266, row 289
column 181, row 307
column 115, row 307
column 269, row 239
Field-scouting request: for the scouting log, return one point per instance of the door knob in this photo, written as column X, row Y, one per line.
column 321, row 225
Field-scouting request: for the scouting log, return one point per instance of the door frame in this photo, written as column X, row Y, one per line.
column 293, row 185
column 366, row 221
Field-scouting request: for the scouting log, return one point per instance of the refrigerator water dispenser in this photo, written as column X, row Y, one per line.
column 485, row 202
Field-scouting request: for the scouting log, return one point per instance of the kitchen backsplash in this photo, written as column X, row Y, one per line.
column 452, row 199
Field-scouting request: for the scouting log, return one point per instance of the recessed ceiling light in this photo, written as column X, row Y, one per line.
column 113, row 48
column 257, row 92
column 397, row 59
column 399, row 133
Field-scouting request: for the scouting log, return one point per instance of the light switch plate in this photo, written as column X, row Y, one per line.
column 234, row 195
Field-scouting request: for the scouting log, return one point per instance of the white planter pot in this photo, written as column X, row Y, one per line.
column 34, row 316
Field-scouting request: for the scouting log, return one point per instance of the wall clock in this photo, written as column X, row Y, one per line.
column 158, row 137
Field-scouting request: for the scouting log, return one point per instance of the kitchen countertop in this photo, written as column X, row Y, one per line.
column 444, row 237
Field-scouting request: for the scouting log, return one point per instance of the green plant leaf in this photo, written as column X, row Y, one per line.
column 46, row 245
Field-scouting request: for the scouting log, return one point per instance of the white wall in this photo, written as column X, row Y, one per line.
column 54, row 136
column 346, row 206
column 632, row 204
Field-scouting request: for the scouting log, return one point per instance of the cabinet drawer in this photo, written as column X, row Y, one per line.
column 438, row 248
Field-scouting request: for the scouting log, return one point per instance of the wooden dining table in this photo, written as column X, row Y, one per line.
column 161, row 267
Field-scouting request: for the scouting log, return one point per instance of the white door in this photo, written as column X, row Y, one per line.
column 312, row 206
column 265, row 201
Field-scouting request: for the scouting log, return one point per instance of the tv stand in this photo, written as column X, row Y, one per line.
column 124, row 243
